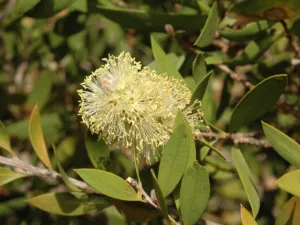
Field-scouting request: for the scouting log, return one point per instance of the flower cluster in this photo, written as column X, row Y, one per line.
column 133, row 106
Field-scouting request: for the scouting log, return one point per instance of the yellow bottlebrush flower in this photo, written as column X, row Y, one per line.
column 133, row 106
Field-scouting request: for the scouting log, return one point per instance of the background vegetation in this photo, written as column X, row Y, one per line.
column 252, row 47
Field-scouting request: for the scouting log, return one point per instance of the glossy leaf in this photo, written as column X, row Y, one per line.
column 247, row 179
column 160, row 196
column 201, row 88
column 151, row 21
column 63, row 174
column 108, row 184
column 247, row 33
column 37, row 138
column 7, row 175
column 247, row 218
column 194, row 193
column 69, row 204
column 98, row 152
column 290, row 182
column 4, row 139
column 41, row 91
column 286, row 212
column 257, row 101
column 135, row 211
column 209, row 29
column 283, row 144
column 47, row 8
column 199, row 68
column 255, row 49
column 176, row 155
column 163, row 62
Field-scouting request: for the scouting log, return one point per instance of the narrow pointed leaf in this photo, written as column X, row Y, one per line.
column 247, row 218
column 108, row 184
column 194, row 193
column 69, row 204
column 163, row 62
column 257, row 101
column 283, row 144
column 247, row 179
column 210, row 28
column 63, row 174
column 201, row 88
column 290, row 182
column 160, row 196
column 37, row 138
column 7, row 175
column 204, row 142
column 4, row 139
column 286, row 212
column 199, row 68
column 176, row 155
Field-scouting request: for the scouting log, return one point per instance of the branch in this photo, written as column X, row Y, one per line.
column 30, row 170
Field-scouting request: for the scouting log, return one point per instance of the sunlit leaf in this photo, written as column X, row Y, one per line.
column 290, row 182
column 286, row 212
column 247, row 218
column 37, row 137
column 7, row 175
column 4, row 139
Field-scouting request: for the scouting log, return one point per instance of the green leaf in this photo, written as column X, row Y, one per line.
column 290, row 182
column 7, row 175
column 255, row 49
column 201, row 88
column 247, row 218
column 199, row 68
column 69, row 204
column 257, row 101
column 296, row 214
column 97, row 151
column 135, row 211
column 151, row 21
column 41, row 90
column 47, row 8
column 63, row 174
column 283, row 144
column 37, row 138
column 247, row 179
column 247, row 33
column 194, row 193
column 160, row 196
column 108, row 184
column 4, row 139
column 209, row 30
column 176, row 155
column 286, row 212
column 204, row 142
column 163, row 62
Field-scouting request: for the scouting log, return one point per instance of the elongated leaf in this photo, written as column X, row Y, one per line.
column 42, row 89
column 204, row 142
column 64, row 176
column 160, row 196
column 199, row 68
column 210, row 28
column 290, row 182
column 257, row 101
column 108, row 184
column 151, row 21
column 7, row 175
column 176, row 155
column 247, row 218
column 247, row 33
column 97, row 152
column 69, row 204
column 4, row 139
column 37, row 138
column 135, row 211
column 247, row 180
column 201, row 88
column 296, row 214
column 194, row 193
column 286, row 212
column 283, row 144
column 163, row 62
column 255, row 49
